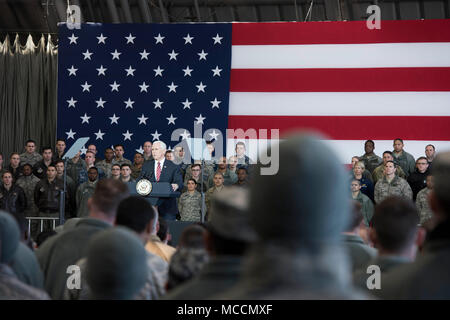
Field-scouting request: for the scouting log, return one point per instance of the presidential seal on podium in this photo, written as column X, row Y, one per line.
column 143, row 187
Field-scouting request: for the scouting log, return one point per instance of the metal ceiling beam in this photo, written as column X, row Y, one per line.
column 113, row 11
column 126, row 10
column 145, row 11
column 163, row 10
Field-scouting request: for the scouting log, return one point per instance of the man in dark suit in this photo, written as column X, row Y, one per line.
column 161, row 170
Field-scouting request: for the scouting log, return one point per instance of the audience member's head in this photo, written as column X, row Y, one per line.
column 163, row 231
column 9, row 237
column 193, row 236
column 356, row 217
column 92, row 174
column 107, row 195
column 116, row 267
column 369, row 146
column 115, row 171
column 398, row 145
column 109, row 154
column 137, row 214
column 30, row 146
column 422, row 164
column 395, row 227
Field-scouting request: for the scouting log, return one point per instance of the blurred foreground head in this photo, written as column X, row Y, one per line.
column 305, row 203
column 9, row 236
column 440, row 197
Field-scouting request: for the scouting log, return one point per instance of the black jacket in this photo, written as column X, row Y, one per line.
column 46, row 195
column 417, row 181
column 14, row 200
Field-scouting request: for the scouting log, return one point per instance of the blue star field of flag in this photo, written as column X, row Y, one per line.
column 131, row 83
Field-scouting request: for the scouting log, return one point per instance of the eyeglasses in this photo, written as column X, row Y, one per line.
column 422, row 163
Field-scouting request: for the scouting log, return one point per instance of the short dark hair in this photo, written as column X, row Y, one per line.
column 240, row 143
column 168, row 151
column 5, row 172
column 226, row 246
column 356, row 180
column 395, row 222
column 243, row 168
column 125, row 165
column 51, row 165
column 193, row 236
column 28, row 165
column 196, row 165
column 14, row 153
column 115, row 165
column 193, row 180
column 93, row 168
column 390, row 162
column 398, row 139
column 59, row 139
column 30, row 141
column 108, row 194
column 135, row 213
column 371, row 141
column 356, row 216
column 119, row 145
column 389, row 152
column 47, row 148
column 163, row 229
column 59, row 161
column 430, row 145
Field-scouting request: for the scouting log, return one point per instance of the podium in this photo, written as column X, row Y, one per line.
column 160, row 192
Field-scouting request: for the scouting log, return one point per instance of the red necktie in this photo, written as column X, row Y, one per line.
column 158, row 171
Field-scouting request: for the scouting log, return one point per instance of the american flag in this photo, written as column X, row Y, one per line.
column 340, row 78
column 131, row 83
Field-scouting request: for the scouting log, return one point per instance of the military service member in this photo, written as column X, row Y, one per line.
column 391, row 185
column 147, row 151
column 115, row 172
column 125, row 173
column 136, row 168
column 12, row 197
column 60, row 150
column 40, row 168
column 85, row 191
column 14, row 166
column 422, row 204
column 229, row 177
column 30, row 155
column 378, row 173
column 107, row 163
column 370, row 159
column 119, row 151
column 190, row 203
column 403, row 158
column 218, row 187
column 28, row 183
column 367, row 208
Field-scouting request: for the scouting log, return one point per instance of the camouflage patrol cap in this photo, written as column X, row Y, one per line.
column 305, row 202
column 9, row 236
column 229, row 215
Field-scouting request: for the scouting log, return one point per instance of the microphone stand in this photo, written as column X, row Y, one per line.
column 202, row 192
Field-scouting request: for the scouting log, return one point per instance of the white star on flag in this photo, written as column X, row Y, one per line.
column 115, row 87
column 185, row 135
column 114, row 119
column 186, row 104
column 202, row 55
column 188, row 39
column 173, row 55
column 101, row 70
column 144, row 55
column 101, row 39
column 72, row 71
column 158, row 71
column 201, row 87
column 143, row 87
column 156, row 135
column 100, row 102
column 129, row 104
column 71, row 102
column 158, row 103
column 85, row 118
column 216, row 71
column 130, row 71
column 159, row 39
column 171, row 119
column 187, row 71
column 99, row 135
column 116, row 54
column 215, row 103
column 130, row 38
column 200, row 119
column 217, row 39
column 172, row 87
column 214, row 135
column 71, row 134
column 127, row 135
column 140, row 150
column 87, row 54
column 83, row 150
column 86, row 86
column 72, row 39
column 142, row 119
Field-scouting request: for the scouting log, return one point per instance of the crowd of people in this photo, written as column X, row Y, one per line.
column 301, row 233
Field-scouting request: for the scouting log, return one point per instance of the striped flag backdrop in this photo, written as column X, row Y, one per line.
column 339, row 78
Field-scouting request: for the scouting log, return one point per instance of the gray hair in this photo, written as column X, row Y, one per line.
column 161, row 144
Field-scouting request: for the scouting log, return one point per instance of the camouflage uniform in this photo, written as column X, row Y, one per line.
column 367, row 207
column 378, row 173
column 422, row 205
column 31, row 159
column 208, row 196
column 147, row 158
column 208, row 170
column 397, row 187
column 122, row 161
column 154, row 288
column 28, row 183
column 371, row 162
column 106, row 167
column 135, row 172
column 229, row 178
column 84, row 192
column 406, row 161
column 190, row 206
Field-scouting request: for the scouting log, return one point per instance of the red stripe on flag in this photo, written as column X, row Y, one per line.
column 338, row 32
column 340, row 80
column 352, row 127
